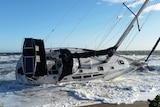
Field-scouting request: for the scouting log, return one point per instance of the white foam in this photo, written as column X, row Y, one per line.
column 135, row 86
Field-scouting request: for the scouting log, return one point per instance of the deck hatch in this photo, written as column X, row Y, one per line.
column 100, row 68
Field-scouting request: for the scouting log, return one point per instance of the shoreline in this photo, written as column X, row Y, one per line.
column 135, row 104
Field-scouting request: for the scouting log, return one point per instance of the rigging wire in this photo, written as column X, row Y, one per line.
column 111, row 26
column 67, row 36
column 147, row 18
column 130, row 40
column 114, row 35
column 118, row 31
column 107, row 35
column 60, row 21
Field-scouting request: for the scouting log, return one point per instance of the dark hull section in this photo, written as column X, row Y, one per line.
column 34, row 58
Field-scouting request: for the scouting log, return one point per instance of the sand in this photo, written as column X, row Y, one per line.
column 136, row 104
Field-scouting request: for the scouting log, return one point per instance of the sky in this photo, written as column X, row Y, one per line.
column 92, row 24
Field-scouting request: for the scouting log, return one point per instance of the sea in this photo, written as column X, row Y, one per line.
column 139, row 85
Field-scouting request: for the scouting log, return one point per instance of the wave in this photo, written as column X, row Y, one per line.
column 10, row 53
column 8, row 62
column 6, row 71
column 7, row 58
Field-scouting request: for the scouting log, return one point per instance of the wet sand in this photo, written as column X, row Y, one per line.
column 136, row 104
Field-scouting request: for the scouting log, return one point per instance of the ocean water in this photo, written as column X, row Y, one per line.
column 140, row 85
column 7, row 66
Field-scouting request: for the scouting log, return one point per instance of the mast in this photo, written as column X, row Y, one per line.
column 152, row 49
column 110, row 51
column 130, row 25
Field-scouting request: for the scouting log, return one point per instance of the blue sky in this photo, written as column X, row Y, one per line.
column 93, row 24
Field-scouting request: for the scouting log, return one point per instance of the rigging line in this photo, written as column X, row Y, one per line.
column 60, row 21
column 148, row 16
column 129, row 43
column 106, row 35
column 120, row 28
column 151, row 13
column 115, row 35
column 138, row 31
column 104, row 26
column 111, row 19
column 104, row 43
column 78, row 23
column 110, row 30
column 130, row 40
column 131, row 33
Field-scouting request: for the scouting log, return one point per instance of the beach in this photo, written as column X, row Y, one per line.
column 135, row 104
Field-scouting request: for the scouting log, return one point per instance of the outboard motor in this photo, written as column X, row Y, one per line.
column 34, row 58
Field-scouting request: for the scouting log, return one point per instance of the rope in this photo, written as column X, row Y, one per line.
column 60, row 21
column 118, row 31
column 147, row 18
column 111, row 26
column 67, row 36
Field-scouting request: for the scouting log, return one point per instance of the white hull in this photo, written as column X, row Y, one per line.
column 91, row 68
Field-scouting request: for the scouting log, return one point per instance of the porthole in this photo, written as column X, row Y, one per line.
column 112, row 67
column 121, row 62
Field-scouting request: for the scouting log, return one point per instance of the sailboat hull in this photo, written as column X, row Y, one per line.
column 91, row 68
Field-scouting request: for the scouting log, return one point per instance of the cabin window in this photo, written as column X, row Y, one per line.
column 121, row 62
column 87, row 76
column 77, row 77
column 100, row 68
column 95, row 75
